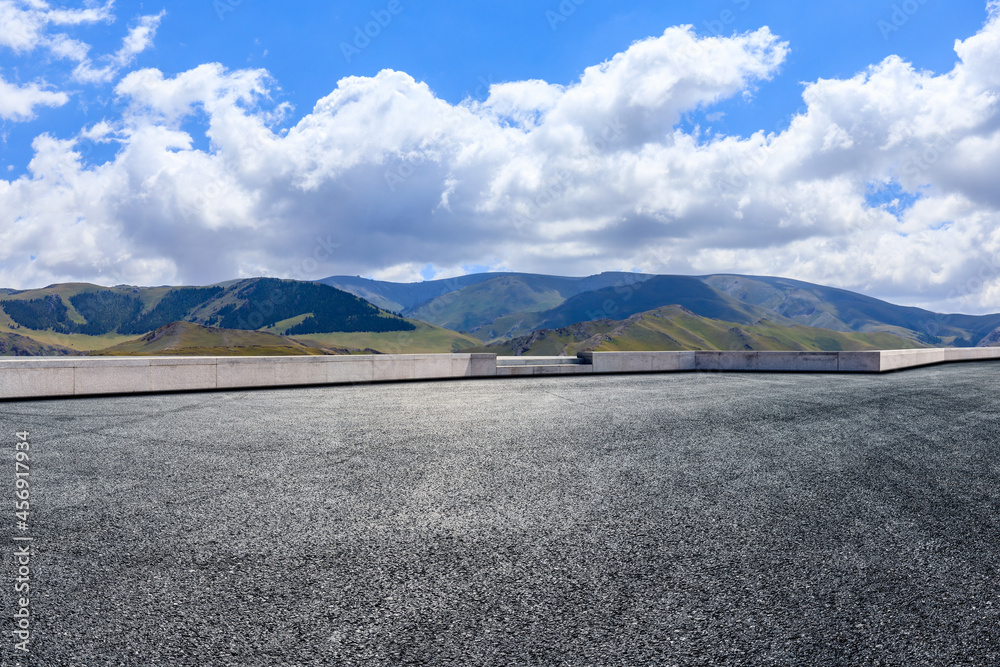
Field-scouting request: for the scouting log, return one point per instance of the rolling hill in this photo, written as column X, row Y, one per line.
column 677, row 328
column 187, row 339
column 16, row 345
column 425, row 338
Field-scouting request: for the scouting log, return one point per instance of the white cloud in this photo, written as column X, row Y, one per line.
column 27, row 25
column 156, row 99
column 24, row 25
column 139, row 38
column 19, row 102
column 574, row 178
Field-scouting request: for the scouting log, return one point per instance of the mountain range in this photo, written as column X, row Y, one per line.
column 498, row 307
column 510, row 313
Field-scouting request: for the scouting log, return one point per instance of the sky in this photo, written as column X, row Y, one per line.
column 853, row 144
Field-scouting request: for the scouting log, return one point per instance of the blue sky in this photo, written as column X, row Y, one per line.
column 460, row 50
column 467, row 160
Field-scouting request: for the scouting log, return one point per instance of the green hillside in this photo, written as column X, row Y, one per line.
column 469, row 303
column 484, row 302
column 494, row 307
column 621, row 302
column 256, row 303
column 532, row 312
column 674, row 328
column 262, row 302
column 187, row 339
column 841, row 310
column 16, row 345
column 425, row 338
column 690, row 293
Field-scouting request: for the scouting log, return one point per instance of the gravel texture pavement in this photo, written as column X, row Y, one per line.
column 694, row 519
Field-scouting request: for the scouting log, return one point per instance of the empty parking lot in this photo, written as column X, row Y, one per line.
column 697, row 519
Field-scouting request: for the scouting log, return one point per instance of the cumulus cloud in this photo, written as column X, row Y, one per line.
column 19, row 102
column 884, row 184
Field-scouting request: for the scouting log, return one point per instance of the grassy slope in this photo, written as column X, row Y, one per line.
column 17, row 345
column 841, row 310
column 693, row 332
column 427, row 339
column 620, row 303
column 184, row 338
column 507, row 327
column 483, row 308
column 674, row 328
column 284, row 325
column 150, row 296
column 80, row 342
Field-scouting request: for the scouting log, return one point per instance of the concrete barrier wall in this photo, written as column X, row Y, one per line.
column 892, row 360
column 970, row 353
column 876, row 361
column 76, row 376
column 805, row 362
column 640, row 362
column 526, row 370
column 821, row 362
column 89, row 376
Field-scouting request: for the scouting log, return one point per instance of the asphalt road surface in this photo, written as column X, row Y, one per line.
column 710, row 519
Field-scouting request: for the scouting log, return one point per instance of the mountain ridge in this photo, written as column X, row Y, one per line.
column 484, row 310
column 776, row 298
column 248, row 304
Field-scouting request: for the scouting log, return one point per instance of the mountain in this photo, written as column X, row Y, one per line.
column 619, row 303
column 624, row 300
column 297, row 307
column 992, row 339
column 677, row 328
column 481, row 310
column 467, row 302
column 187, row 339
column 841, row 310
column 400, row 297
column 495, row 307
